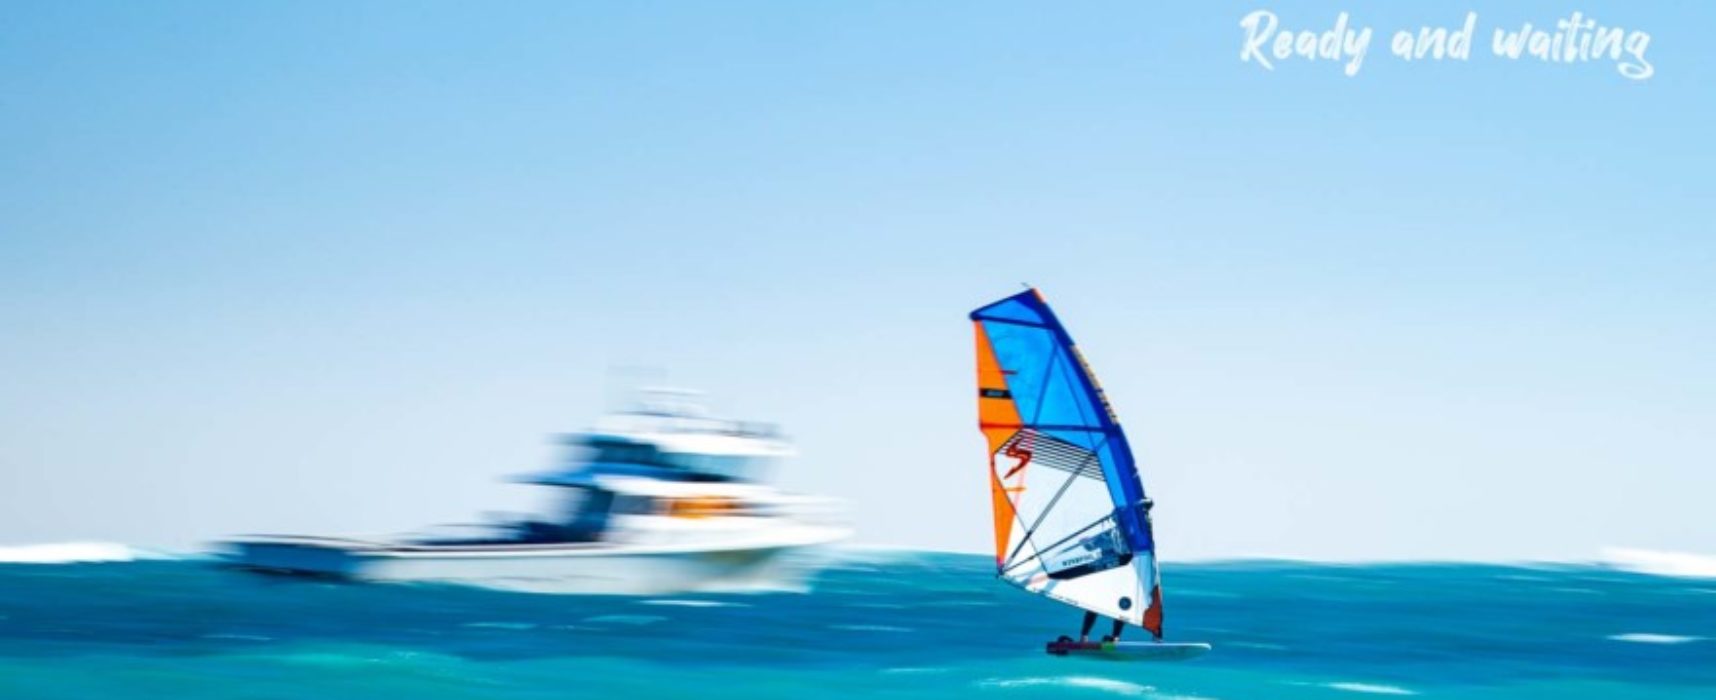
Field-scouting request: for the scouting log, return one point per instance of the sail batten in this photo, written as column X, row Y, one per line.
column 1071, row 518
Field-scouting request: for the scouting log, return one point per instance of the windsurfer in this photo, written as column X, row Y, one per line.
column 1090, row 621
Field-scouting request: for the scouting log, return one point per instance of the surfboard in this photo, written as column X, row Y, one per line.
column 1130, row 651
column 1071, row 518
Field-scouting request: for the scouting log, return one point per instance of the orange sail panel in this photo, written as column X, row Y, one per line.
column 998, row 417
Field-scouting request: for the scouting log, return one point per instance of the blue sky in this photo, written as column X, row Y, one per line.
column 336, row 268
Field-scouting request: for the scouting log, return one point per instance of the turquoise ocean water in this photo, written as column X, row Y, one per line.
column 906, row 625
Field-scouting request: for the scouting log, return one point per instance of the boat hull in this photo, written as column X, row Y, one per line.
column 584, row 568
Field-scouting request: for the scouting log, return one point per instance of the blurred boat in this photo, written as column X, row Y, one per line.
column 658, row 499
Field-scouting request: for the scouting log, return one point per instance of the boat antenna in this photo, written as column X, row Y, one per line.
column 624, row 385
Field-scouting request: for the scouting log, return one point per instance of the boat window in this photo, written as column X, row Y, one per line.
column 633, row 505
column 725, row 467
column 735, row 467
column 626, row 453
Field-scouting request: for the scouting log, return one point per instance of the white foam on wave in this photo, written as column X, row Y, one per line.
column 238, row 637
column 870, row 628
column 491, row 625
column 675, row 602
column 849, row 555
column 1652, row 638
column 1098, row 683
column 1370, row 688
column 1109, row 685
column 67, row 553
column 625, row 619
column 1660, row 563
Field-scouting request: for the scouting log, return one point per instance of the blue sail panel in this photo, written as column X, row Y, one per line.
column 1056, row 394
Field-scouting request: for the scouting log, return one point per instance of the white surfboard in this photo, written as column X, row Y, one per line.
column 1072, row 522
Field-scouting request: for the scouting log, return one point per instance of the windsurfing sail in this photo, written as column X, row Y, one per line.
column 1071, row 518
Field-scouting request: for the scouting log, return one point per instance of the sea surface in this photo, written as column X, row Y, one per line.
column 895, row 624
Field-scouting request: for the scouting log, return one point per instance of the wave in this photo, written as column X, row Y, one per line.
column 625, row 619
column 1107, row 685
column 1090, row 682
column 1370, row 688
column 1660, row 563
column 1264, row 646
column 1652, row 638
column 870, row 628
column 856, row 555
column 516, row 626
column 685, row 603
column 71, row 553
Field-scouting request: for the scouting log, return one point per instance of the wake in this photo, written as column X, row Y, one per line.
column 69, row 553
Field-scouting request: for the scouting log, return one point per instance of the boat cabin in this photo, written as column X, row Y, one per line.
column 665, row 458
